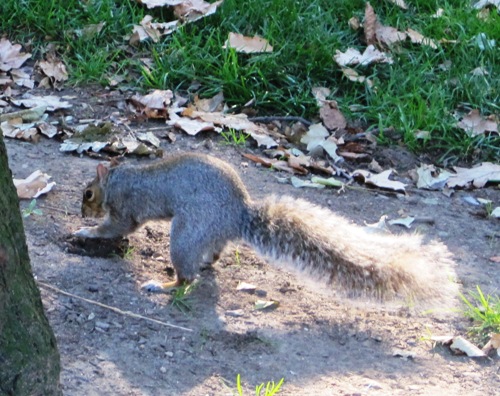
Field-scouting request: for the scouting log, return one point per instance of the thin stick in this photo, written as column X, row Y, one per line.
column 114, row 309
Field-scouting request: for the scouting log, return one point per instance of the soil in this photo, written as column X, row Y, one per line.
column 319, row 343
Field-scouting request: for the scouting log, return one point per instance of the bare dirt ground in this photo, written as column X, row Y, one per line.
column 320, row 344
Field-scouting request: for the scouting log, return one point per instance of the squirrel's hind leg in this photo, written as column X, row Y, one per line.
column 191, row 248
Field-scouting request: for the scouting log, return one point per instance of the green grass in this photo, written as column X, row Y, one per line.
column 181, row 298
column 234, row 138
column 484, row 311
column 270, row 389
column 31, row 210
column 414, row 93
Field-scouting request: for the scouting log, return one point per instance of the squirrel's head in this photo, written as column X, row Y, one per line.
column 93, row 195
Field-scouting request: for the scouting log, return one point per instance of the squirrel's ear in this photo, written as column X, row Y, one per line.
column 102, row 171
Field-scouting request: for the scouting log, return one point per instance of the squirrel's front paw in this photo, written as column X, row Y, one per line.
column 85, row 232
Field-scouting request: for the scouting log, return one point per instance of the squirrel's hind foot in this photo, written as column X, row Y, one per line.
column 153, row 286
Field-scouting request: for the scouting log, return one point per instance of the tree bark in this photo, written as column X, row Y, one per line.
column 29, row 359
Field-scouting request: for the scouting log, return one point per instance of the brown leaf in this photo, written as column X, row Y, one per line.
column 370, row 24
column 192, row 10
column 400, row 4
column 11, row 56
column 239, row 122
column 154, row 104
column 389, row 35
column 247, row 45
column 331, row 116
column 354, row 57
column 380, row 180
column 160, row 3
column 216, row 103
column 34, row 185
column 474, row 124
column 55, row 69
column 476, row 177
column 419, row 38
column 153, row 30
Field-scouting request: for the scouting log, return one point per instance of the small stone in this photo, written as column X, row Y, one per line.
column 102, row 325
column 235, row 313
column 163, row 369
column 169, row 354
column 93, row 288
column 91, row 316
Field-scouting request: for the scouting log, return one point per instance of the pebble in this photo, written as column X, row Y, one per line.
column 102, row 325
column 236, row 313
column 169, row 354
column 163, row 369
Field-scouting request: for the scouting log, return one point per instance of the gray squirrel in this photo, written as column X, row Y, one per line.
column 209, row 206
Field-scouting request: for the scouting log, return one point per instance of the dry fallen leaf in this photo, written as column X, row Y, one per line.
column 461, row 345
column 400, row 4
column 354, row 57
column 493, row 343
column 22, row 78
column 248, row 287
column 474, row 124
column 380, row 180
column 331, row 115
column 379, row 227
column 54, row 69
column 370, row 24
column 247, row 45
column 34, row 185
column 485, row 3
column 419, row 38
column 51, row 102
column 11, row 56
column 430, row 178
column 320, row 94
column 476, row 177
column 90, row 31
column 153, row 30
column 260, row 304
column 28, row 115
column 192, row 10
column 239, row 122
column 154, row 104
column 404, row 221
column 190, row 126
column 16, row 129
column 160, row 3
column 215, row 103
column 438, row 14
column 318, row 136
column 353, row 75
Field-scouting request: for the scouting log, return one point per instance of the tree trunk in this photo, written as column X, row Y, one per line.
column 29, row 359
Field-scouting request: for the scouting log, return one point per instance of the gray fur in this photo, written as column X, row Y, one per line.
column 209, row 206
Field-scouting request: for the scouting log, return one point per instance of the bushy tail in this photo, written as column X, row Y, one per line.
column 315, row 240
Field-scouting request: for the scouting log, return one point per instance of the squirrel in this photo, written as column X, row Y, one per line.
column 209, row 206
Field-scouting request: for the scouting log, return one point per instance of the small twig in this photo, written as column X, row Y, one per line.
column 280, row 118
column 114, row 309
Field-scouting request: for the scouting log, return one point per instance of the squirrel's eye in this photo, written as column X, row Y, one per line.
column 89, row 194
